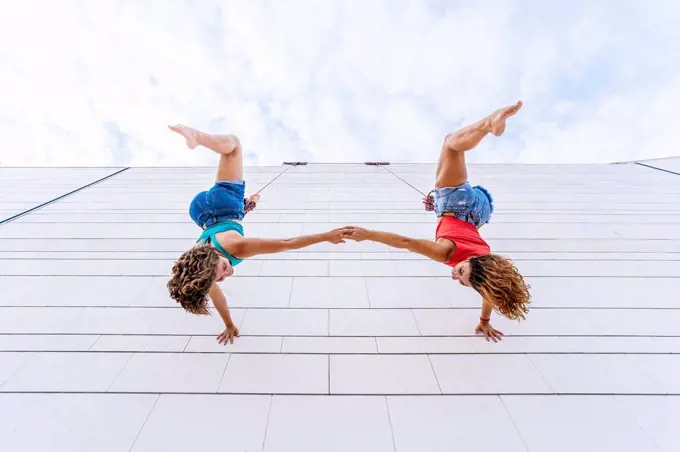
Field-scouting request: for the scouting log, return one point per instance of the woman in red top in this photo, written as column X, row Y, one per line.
column 462, row 209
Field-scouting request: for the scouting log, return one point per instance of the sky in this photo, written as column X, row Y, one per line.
column 95, row 83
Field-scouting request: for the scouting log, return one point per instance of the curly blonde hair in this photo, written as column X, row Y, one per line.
column 499, row 281
column 192, row 275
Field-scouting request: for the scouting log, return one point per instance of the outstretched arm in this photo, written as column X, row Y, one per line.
column 249, row 247
column 220, row 302
column 434, row 250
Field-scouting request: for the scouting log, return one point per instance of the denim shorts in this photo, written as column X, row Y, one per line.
column 467, row 203
column 224, row 201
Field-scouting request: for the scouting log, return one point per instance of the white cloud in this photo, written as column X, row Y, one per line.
column 95, row 83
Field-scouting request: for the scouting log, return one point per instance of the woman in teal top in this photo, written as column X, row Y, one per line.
column 223, row 245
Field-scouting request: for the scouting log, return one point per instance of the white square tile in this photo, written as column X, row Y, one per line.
column 294, row 268
column 242, row 344
column 11, row 362
column 216, row 422
column 593, row 374
column 597, row 292
column 424, row 345
column 408, row 292
column 321, row 217
column 329, row 293
column 452, row 322
column 382, row 374
column 668, row 344
column 362, row 268
column 566, row 344
column 46, row 342
column 657, row 415
column 132, row 343
column 481, row 374
column 373, row 322
column 610, row 322
column 68, row 372
column 72, row 422
column 116, row 320
column 77, row 291
column 37, row 320
column 258, row 292
column 411, row 268
column 273, row 230
column 285, row 322
column 329, row 345
column 664, row 369
column 329, row 424
column 276, row 374
column 171, row 372
column 576, row 423
column 249, row 268
column 436, row 423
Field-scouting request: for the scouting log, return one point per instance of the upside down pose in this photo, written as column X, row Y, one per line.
column 462, row 209
column 219, row 211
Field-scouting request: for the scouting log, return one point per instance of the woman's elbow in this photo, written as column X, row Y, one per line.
column 406, row 243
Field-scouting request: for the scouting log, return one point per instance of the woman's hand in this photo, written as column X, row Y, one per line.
column 338, row 235
column 251, row 202
column 357, row 234
column 429, row 202
column 489, row 332
column 227, row 336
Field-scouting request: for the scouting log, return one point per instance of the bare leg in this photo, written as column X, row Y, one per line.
column 451, row 169
column 228, row 146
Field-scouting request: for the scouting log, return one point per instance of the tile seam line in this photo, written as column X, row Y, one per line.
column 343, row 252
column 319, row 308
column 656, row 168
column 155, row 402
column 389, row 418
column 266, row 427
column 356, row 394
column 500, row 399
column 58, row 198
column 163, row 259
column 554, row 239
column 325, row 336
column 297, row 353
column 636, row 420
column 155, row 275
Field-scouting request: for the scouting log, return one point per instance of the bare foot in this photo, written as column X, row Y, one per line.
column 190, row 134
column 497, row 118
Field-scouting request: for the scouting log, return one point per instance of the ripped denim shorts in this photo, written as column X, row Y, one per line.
column 467, row 203
column 224, row 201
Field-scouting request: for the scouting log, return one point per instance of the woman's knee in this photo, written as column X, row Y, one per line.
column 230, row 142
column 452, row 141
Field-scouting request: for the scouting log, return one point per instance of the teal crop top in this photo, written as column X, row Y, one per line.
column 208, row 236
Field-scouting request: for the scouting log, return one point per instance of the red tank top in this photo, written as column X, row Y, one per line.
column 466, row 237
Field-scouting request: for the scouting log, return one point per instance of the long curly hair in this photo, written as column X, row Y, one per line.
column 192, row 275
column 498, row 281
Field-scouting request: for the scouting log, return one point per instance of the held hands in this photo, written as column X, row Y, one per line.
column 355, row 233
column 338, row 235
column 227, row 336
column 348, row 232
